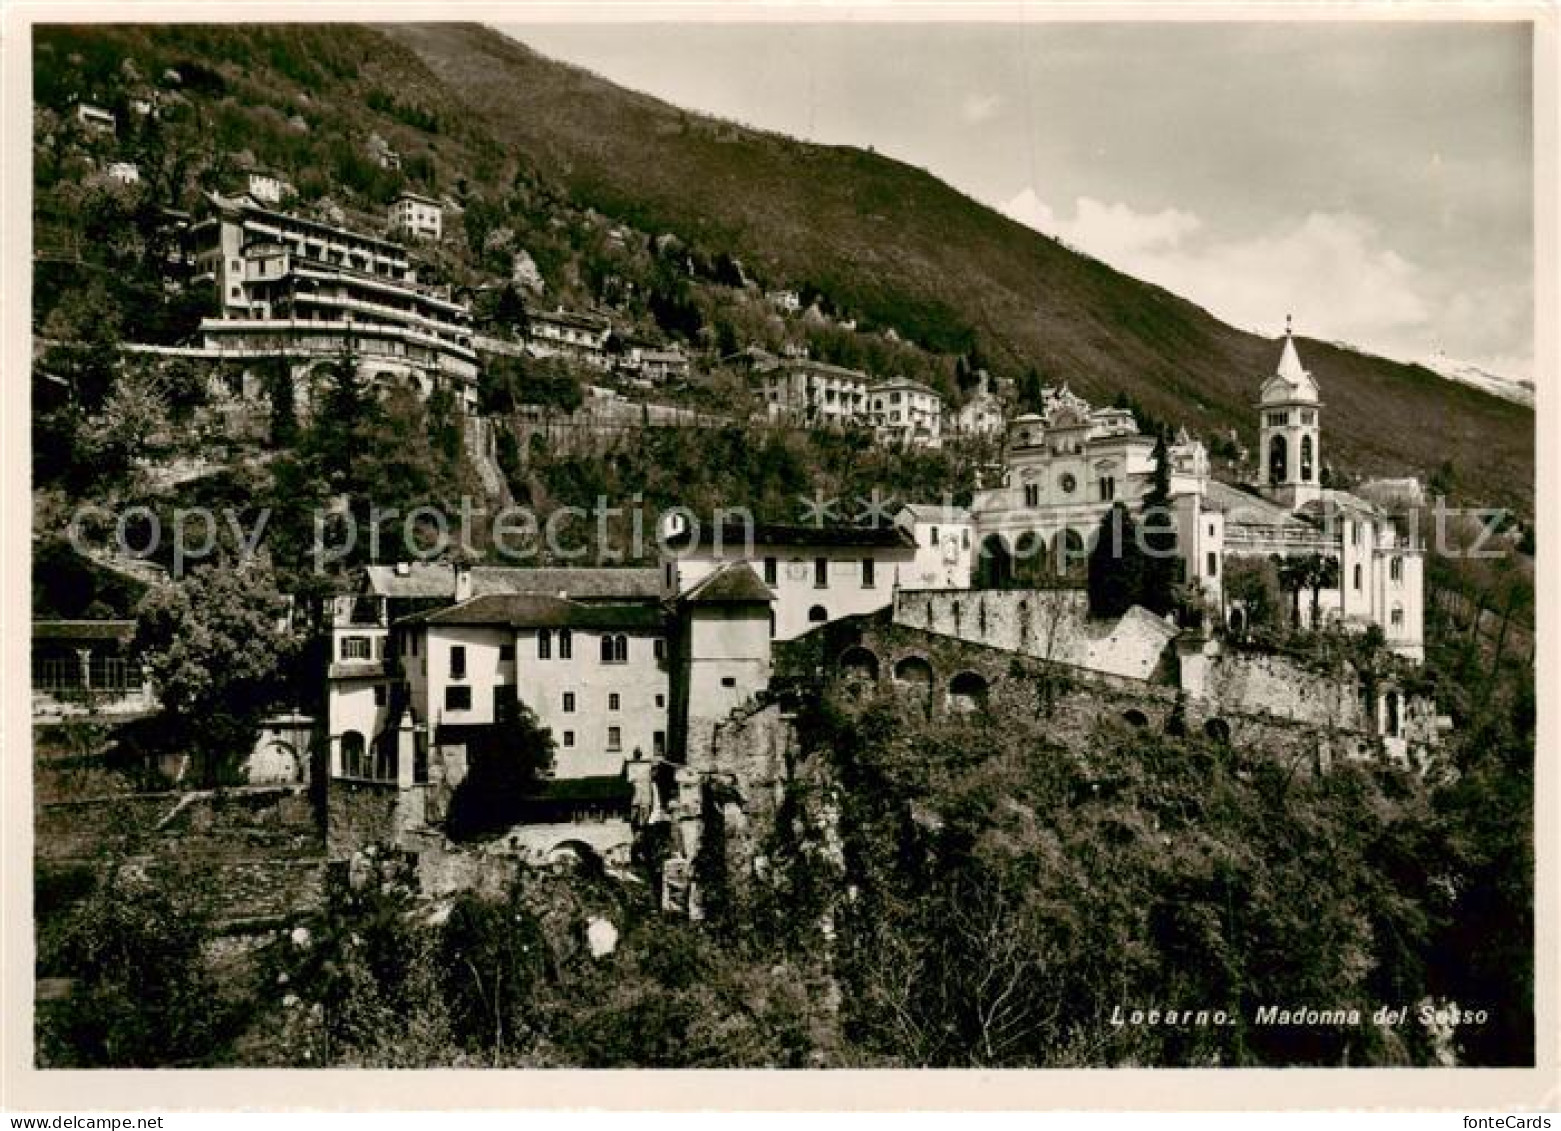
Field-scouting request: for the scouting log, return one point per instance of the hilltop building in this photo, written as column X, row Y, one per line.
column 906, row 412
column 308, row 291
column 1066, row 469
column 415, row 215
column 812, row 392
column 580, row 336
column 982, row 414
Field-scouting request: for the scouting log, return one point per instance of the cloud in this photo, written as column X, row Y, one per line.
column 977, row 108
column 1330, row 269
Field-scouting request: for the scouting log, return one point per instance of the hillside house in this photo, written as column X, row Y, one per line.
column 906, row 413
column 420, row 217
column 580, row 336
column 813, row 393
column 95, row 118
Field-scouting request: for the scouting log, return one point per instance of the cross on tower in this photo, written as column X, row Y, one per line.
column 1287, row 325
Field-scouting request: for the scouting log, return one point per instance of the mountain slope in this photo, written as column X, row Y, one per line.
column 901, row 247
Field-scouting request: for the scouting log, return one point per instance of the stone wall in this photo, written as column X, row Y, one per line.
column 361, row 813
column 257, row 854
column 1050, row 623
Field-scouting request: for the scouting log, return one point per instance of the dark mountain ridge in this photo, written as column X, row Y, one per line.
column 901, row 247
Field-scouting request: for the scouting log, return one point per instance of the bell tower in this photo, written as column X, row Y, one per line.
column 1290, row 431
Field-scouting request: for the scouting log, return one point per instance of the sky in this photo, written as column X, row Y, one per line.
column 1375, row 181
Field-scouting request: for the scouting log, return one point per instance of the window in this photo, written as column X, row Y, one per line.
column 728, row 681
column 659, row 648
column 1032, row 494
column 615, row 738
column 1211, row 530
column 868, row 572
column 1306, row 459
column 661, row 700
column 1213, row 564
column 1355, row 533
column 379, row 694
column 933, row 540
column 615, row 649
column 817, row 615
column 1396, row 569
column 569, row 702
column 614, row 701
column 1108, row 488
column 658, row 743
column 669, row 565
column 544, row 644
column 1308, row 416
column 821, row 573
column 1397, row 617
column 1357, row 577
column 1067, row 483
column 507, row 653
column 771, row 571
column 355, row 648
column 458, row 698
column 964, row 539
column 457, row 661
column 352, row 759
column 566, row 644
column 569, row 738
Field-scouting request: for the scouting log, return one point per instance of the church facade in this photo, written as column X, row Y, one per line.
column 1065, row 469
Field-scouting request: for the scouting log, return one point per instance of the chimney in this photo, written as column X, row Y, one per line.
column 463, row 582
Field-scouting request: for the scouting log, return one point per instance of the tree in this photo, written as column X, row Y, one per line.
column 506, row 764
column 217, row 646
column 143, row 995
column 1322, row 572
column 1253, row 586
column 282, row 392
column 1116, row 565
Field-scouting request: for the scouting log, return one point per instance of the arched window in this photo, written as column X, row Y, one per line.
column 818, row 614
column 1392, row 712
column 566, row 644
column 995, row 567
column 1278, row 460
column 1396, row 569
column 544, row 644
column 1357, row 576
column 352, row 751
column 385, row 756
column 1306, row 459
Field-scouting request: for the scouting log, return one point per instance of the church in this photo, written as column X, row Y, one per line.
column 1065, row 468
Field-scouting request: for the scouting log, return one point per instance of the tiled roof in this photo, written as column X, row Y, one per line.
column 527, row 610
column 778, row 534
column 586, row 583
column 1250, row 508
column 734, row 583
column 935, row 512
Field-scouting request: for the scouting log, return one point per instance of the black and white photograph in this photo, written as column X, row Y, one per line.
column 781, row 542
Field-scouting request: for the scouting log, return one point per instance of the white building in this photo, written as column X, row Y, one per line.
column 268, row 188
column 125, row 172
column 813, row 393
column 981, row 415
column 418, row 216
column 580, row 336
column 816, row 574
column 1064, row 473
column 945, row 546
column 906, row 412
